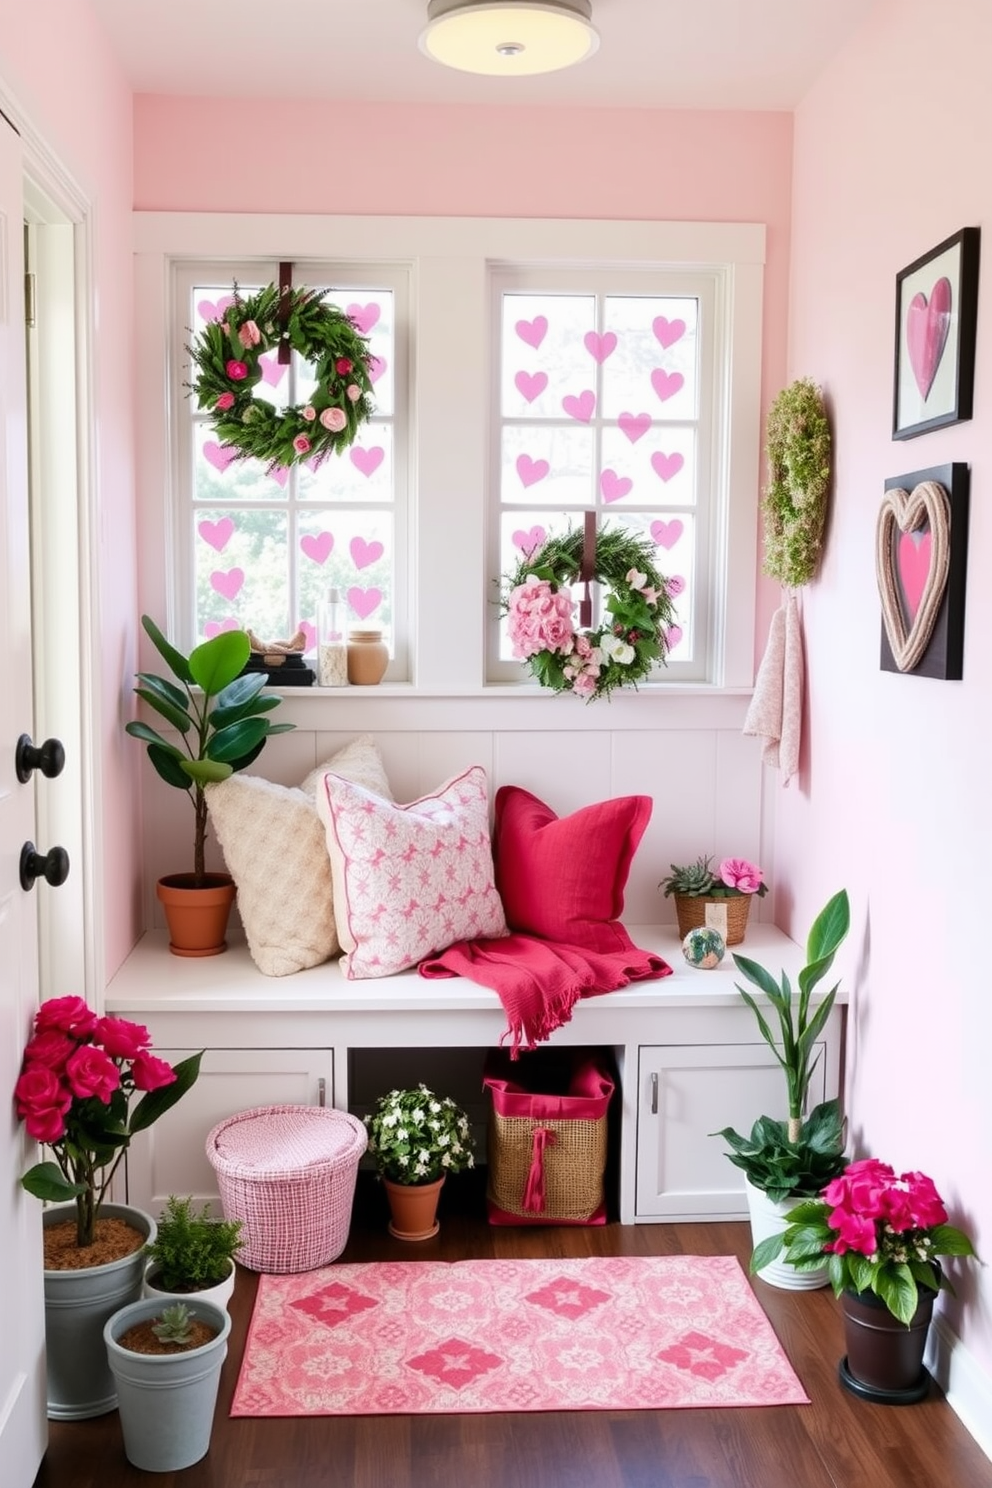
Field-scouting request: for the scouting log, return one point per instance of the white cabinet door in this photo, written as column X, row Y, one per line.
column 685, row 1092
column 170, row 1157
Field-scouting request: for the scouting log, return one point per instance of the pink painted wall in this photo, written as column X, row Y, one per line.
column 891, row 152
column 430, row 160
column 55, row 63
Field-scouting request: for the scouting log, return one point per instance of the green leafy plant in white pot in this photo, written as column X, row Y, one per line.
column 192, row 1254
column 219, row 714
column 785, row 1161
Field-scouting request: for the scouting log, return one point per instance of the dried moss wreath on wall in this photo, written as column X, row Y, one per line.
column 226, row 356
column 795, row 499
column 637, row 612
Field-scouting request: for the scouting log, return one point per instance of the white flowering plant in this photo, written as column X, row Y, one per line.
column 416, row 1136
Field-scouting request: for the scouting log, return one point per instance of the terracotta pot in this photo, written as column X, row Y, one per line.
column 413, row 1207
column 884, row 1361
column 368, row 657
column 197, row 915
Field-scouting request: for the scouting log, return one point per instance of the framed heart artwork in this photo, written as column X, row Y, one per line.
column 921, row 558
column 936, row 317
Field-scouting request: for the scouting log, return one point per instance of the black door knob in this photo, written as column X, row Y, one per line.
column 52, row 866
column 49, row 758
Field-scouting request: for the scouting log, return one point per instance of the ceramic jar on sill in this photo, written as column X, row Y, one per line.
column 368, row 657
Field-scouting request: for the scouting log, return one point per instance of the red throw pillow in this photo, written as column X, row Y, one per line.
column 563, row 878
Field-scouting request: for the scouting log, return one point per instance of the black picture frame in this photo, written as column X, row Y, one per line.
column 936, row 320
column 943, row 656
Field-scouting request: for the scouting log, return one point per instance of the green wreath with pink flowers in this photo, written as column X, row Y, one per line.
column 226, row 358
column 637, row 612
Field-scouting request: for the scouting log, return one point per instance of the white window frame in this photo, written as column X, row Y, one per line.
column 451, row 357
column 709, row 513
column 186, row 274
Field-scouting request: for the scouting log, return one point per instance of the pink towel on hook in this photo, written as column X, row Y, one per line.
column 775, row 713
column 540, row 981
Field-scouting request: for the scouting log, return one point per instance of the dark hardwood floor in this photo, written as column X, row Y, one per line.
column 837, row 1441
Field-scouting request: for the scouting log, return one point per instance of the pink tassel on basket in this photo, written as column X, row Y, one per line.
column 534, row 1191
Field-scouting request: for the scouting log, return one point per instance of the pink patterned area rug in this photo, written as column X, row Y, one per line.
column 437, row 1338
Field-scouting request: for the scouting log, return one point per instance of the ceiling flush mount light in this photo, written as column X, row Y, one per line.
column 509, row 38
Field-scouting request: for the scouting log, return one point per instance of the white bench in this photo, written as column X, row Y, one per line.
column 689, row 1056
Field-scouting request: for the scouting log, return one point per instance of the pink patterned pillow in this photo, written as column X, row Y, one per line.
column 409, row 880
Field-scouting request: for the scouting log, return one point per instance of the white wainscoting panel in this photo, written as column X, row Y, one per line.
column 685, row 750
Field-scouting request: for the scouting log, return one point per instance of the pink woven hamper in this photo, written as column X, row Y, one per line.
column 288, row 1172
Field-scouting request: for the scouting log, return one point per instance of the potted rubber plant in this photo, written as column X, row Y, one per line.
column 166, row 1360
column 416, row 1138
column 783, row 1161
column 192, row 1254
column 219, row 714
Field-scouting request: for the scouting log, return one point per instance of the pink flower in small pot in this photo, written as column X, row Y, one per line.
column 334, row 419
column 301, row 444
column 249, row 334
column 224, row 402
column 236, row 371
column 738, row 873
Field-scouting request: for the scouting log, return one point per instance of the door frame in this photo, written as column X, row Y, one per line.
column 65, row 601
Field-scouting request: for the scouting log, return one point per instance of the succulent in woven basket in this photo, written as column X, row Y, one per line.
column 734, row 878
column 416, row 1136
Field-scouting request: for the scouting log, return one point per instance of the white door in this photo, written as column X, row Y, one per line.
column 22, row 1358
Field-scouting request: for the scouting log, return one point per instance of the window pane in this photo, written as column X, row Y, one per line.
column 354, row 553
column 600, row 399
column 241, row 573
column 268, row 543
column 649, row 350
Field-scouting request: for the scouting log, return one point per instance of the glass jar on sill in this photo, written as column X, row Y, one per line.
column 368, row 657
column 332, row 646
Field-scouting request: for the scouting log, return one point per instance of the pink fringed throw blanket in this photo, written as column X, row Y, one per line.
column 540, row 981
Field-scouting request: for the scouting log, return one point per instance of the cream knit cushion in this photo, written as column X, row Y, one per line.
column 275, row 849
column 409, row 880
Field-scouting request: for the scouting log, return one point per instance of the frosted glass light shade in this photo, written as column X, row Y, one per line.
column 509, row 38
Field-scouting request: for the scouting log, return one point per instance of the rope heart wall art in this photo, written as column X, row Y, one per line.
column 921, row 538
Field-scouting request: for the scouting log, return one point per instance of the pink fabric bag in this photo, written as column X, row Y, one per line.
column 547, row 1151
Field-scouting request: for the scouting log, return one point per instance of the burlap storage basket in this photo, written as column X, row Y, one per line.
column 547, row 1153
column 289, row 1173
column 690, row 911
